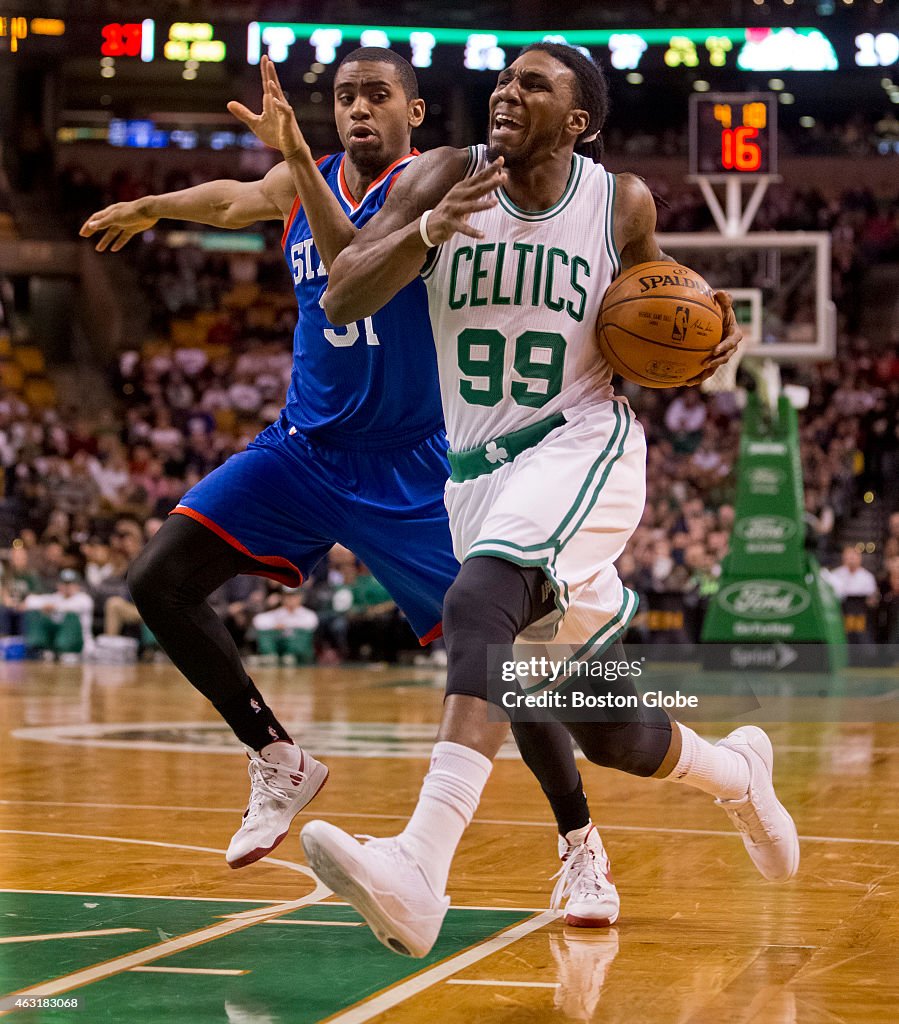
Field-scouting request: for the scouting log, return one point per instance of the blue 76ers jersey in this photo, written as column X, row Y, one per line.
column 372, row 384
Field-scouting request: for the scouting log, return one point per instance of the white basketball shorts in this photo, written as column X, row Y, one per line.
column 569, row 505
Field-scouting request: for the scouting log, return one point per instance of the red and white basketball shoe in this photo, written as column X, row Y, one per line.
column 283, row 779
column 586, row 879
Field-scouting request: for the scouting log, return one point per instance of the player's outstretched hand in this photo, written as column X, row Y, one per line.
column 731, row 336
column 450, row 215
column 119, row 222
column 277, row 125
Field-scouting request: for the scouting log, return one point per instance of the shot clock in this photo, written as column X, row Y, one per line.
column 733, row 134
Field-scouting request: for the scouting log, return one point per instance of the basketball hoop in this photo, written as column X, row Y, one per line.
column 765, row 373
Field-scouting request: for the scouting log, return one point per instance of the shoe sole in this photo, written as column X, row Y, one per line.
column 258, row 853
column 759, row 742
column 264, row 851
column 590, row 922
column 343, row 885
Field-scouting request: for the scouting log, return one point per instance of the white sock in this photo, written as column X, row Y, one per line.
column 717, row 770
column 449, row 797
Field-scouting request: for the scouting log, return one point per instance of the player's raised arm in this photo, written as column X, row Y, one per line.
column 635, row 226
column 389, row 251
column 277, row 127
column 221, row 204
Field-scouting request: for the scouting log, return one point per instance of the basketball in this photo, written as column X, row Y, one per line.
column 657, row 323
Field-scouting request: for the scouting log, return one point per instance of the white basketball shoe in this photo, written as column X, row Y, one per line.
column 769, row 833
column 382, row 882
column 283, row 779
column 586, row 879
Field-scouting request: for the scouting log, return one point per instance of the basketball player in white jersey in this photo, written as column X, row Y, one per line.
column 517, row 244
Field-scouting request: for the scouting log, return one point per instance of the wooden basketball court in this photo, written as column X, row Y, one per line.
column 121, row 789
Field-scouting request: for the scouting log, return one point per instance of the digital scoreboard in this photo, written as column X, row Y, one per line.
column 733, row 134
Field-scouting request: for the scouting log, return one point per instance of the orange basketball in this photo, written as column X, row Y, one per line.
column 657, row 323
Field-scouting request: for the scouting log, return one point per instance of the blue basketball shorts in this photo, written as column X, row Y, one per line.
column 287, row 499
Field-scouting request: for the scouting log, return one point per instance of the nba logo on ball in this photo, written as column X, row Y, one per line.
column 657, row 324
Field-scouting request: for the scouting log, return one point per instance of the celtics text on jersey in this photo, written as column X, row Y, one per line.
column 514, row 313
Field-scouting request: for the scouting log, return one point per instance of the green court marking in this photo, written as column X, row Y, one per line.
column 42, row 914
column 298, row 974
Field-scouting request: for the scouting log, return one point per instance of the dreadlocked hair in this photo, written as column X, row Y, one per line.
column 591, row 93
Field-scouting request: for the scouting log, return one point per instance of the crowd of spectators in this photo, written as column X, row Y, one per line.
column 849, row 442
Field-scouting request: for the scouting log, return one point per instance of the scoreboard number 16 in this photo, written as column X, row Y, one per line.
column 738, row 151
column 733, row 134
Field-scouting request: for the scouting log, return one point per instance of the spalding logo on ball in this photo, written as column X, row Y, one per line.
column 657, row 323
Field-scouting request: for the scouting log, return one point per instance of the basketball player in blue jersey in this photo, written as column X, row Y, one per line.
column 357, row 457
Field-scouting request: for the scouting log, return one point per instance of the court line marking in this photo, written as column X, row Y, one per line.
column 290, row 865
column 355, row 1015
column 68, row 935
column 322, row 924
column 118, row 965
column 505, row 984
column 378, row 1004
column 339, row 739
column 228, row 899
column 505, row 822
column 455, row 906
column 187, row 970
column 134, row 896
column 416, row 740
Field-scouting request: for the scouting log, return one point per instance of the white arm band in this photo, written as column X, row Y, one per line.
column 423, row 229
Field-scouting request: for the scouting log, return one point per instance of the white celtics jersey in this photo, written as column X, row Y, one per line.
column 514, row 313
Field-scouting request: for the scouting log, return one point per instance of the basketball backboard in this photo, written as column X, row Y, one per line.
column 781, row 286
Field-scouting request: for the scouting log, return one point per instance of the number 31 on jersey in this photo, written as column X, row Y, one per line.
column 346, row 337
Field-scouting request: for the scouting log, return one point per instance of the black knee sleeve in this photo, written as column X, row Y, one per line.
column 181, row 566
column 637, row 747
column 632, row 739
column 545, row 747
column 488, row 605
column 169, row 582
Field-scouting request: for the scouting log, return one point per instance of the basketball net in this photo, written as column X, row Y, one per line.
column 765, row 372
column 724, row 379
